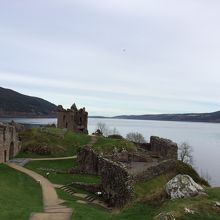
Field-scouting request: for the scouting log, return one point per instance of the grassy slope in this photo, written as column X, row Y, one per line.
column 60, row 143
column 203, row 205
column 147, row 189
column 137, row 211
column 20, row 195
column 104, row 144
column 143, row 190
column 63, row 165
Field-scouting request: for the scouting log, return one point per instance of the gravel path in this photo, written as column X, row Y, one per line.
column 53, row 158
column 53, row 208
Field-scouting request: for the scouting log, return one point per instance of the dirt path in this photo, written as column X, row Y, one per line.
column 53, row 208
column 54, row 158
column 93, row 139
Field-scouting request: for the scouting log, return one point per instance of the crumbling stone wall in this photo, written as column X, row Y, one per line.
column 72, row 119
column 88, row 161
column 116, row 183
column 163, row 167
column 164, row 148
column 156, row 158
column 161, row 148
column 9, row 142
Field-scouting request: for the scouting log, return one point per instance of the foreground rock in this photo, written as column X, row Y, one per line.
column 182, row 186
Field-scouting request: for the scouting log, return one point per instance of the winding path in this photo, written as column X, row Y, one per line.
column 54, row 158
column 53, row 208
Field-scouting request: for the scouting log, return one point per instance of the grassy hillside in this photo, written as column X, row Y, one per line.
column 50, row 142
column 14, row 104
column 192, row 117
column 107, row 145
column 149, row 196
column 20, row 195
column 149, row 200
column 61, row 178
column 202, row 205
column 55, row 142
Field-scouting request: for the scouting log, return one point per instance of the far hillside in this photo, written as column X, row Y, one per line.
column 14, row 104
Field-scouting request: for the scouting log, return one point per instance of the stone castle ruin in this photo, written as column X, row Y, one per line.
column 72, row 119
column 9, row 142
column 120, row 170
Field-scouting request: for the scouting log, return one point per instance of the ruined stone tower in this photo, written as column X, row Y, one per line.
column 72, row 119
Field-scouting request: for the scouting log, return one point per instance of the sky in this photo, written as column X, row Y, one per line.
column 114, row 57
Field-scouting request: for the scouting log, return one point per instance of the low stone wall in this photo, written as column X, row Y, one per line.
column 156, row 170
column 116, row 183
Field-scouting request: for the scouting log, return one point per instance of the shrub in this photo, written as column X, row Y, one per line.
column 135, row 137
column 115, row 136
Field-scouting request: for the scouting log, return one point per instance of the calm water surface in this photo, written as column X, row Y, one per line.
column 203, row 137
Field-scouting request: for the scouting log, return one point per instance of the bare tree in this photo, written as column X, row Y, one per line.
column 135, row 137
column 186, row 153
column 103, row 128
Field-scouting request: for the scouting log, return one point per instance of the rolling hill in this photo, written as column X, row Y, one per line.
column 14, row 104
column 191, row 117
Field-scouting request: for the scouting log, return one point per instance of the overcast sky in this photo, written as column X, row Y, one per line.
column 114, row 57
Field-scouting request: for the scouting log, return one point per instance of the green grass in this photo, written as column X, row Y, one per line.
column 61, row 165
column 136, row 211
column 202, row 205
column 20, row 195
column 58, row 142
column 145, row 189
column 107, row 145
column 183, row 168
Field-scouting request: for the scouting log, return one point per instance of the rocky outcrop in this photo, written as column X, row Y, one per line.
column 182, row 186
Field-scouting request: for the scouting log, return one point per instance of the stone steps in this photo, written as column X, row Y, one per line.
column 89, row 199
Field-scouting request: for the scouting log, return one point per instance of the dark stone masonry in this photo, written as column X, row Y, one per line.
column 160, row 148
column 116, row 183
column 72, row 119
column 9, row 142
column 120, row 170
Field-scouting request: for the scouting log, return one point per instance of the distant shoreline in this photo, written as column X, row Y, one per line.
column 116, row 117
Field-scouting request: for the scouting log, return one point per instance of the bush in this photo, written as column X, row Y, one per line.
column 38, row 149
column 115, row 136
column 183, row 168
column 135, row 137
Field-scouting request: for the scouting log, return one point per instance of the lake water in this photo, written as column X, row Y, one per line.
column 203, row 137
